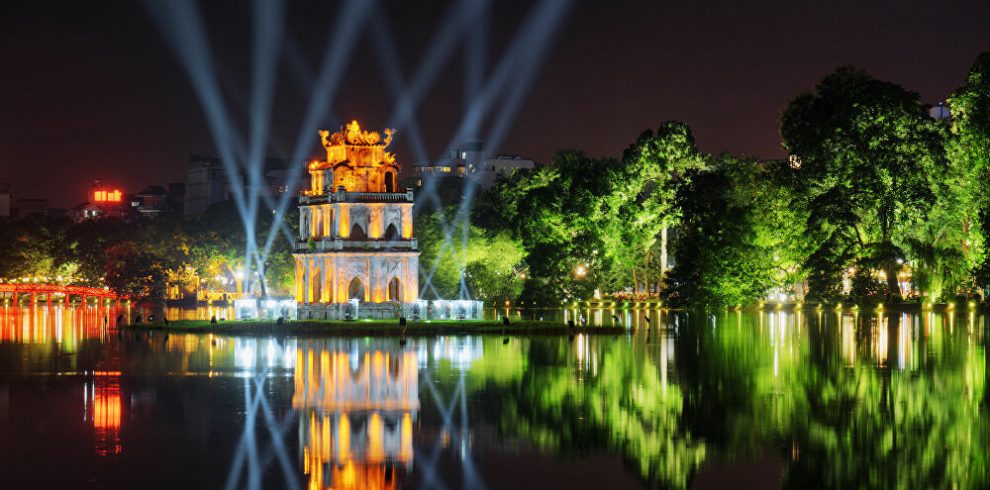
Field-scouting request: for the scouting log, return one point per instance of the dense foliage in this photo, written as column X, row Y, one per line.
column 741, row 233
column 139, row 259
column 877, row 199
column 466, row 262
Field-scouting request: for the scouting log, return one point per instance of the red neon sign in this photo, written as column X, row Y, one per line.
column 107, row 196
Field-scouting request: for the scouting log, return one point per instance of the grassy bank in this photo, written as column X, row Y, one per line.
column 375, row 328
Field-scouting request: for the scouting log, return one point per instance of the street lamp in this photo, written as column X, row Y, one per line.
column 580, row 271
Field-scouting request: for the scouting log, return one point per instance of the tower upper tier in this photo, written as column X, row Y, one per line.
column 356, row 161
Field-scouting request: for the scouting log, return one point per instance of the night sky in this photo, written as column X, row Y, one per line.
column 91, row 90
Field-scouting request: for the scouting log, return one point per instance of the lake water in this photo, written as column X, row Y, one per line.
column 700, row 400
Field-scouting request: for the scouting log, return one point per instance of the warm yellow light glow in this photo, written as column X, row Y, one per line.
column 376, row 433
column 300, row 287
column 366, row 165
column 375, row 230
column 881, row 342
column 407, row 222
column 344, row 437
column 327, row 213
column 106, row 411
column 406, row 446
column 344, row 221
column 358, row 163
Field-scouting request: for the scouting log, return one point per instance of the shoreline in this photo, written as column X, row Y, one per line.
column 376, row 328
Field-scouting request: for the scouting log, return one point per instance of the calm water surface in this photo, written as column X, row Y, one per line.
column 752, row 399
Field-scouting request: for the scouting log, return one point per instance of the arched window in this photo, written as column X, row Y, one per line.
column 356, row 289
column 394, row 290
column 391, row 233
column 389, row 183
column 357, row 233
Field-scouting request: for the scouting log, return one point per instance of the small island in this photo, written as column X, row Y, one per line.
column 376, row 328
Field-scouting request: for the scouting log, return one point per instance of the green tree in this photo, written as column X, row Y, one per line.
column 32, row 247
column 641, row 204
column 490, row 263
column 867, row 151
column 969, row 153
column 743, row 234
column 134, row 272
column 556, row 213
column 86, row 243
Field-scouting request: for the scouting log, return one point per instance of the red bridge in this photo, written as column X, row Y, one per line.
column 12, row 294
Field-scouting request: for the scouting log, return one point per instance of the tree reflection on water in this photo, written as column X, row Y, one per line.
column 840, row 399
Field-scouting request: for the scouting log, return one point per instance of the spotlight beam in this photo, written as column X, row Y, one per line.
column 304, row 79
column 251, row 405
column 181, row 25
column 340, row 46
column 540, row 27
column 533, row 34
column 267, row 24
column 385, row 46
column 506, row 69
column 381, row 38
column 441, row 46
column 288, row 470
column 550, row 20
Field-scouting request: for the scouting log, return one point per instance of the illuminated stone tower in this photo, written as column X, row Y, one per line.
column 356, row 254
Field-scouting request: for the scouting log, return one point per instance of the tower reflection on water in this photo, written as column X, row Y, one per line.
column 354, row 402
column 356, row 414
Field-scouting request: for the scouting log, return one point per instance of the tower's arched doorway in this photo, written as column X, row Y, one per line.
column 389, row 182
column 391, row 233
column 394, row 290
column 356, row 289
column 357, row 233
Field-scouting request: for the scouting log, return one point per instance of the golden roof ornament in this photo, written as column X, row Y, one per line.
column 352, row 134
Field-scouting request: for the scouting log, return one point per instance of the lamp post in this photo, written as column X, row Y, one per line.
column 580, row 271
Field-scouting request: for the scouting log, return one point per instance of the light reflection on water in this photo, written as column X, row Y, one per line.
column 833, row 399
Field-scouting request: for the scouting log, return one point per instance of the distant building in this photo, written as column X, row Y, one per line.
column 104, row 202
column 151, row 201
column 108, row 202
column 468, row 160
column 207, row 183
column 27, row 208
column 4, row 201
column 175, row 198
column 939, row 112
column 503, row 165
